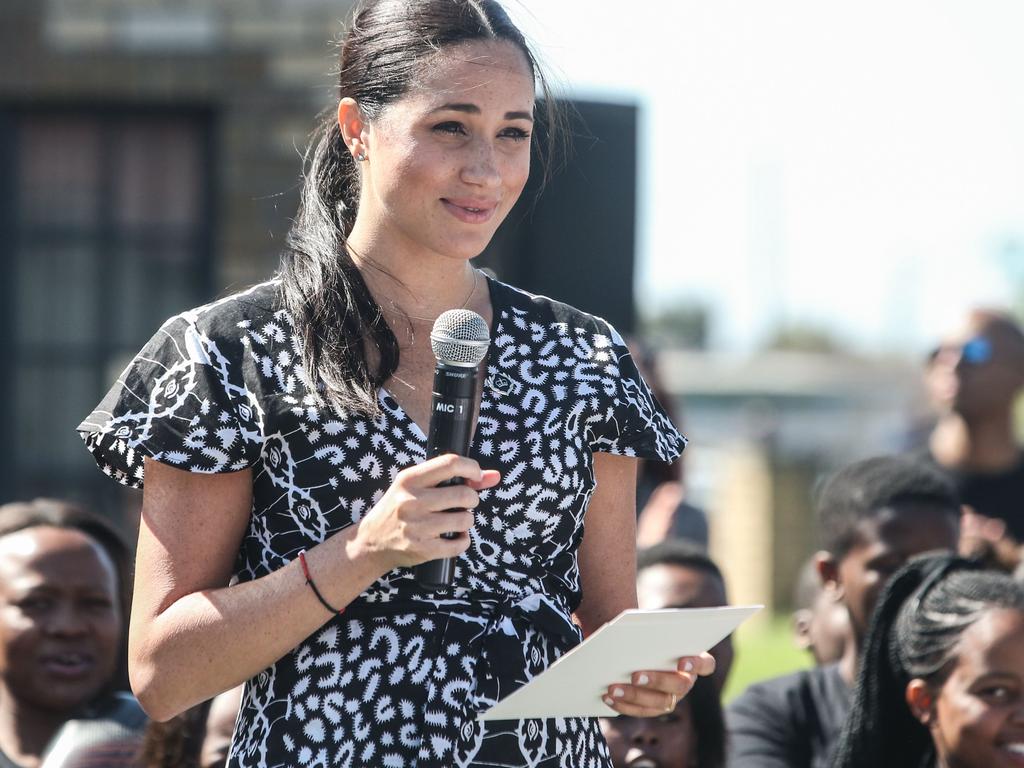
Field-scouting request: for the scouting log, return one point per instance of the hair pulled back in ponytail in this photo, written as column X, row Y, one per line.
column 334, row 314
column 917, row 624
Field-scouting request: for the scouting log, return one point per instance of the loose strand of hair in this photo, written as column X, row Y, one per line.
column 334, row 314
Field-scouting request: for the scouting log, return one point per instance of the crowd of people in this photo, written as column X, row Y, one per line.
column 911, row 608
column 280, row 438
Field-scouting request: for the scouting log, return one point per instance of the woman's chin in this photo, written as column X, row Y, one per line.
column 66, row 696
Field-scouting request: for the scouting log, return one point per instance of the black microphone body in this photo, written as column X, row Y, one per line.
column 451, row 430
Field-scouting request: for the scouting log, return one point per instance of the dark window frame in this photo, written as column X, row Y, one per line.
column 105, row 235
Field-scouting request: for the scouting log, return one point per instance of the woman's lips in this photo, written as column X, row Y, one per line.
column 69, row 665
column 636, row 758
column 1014, row 751
column 470, row 211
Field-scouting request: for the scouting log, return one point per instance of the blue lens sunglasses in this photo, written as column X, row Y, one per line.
column 974, row 351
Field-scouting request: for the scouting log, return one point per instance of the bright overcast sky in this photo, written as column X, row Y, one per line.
column 854, row 166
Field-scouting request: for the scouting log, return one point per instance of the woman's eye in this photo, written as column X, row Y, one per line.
column 451, row 128
column 999, row 693
column 516, row 134
column 34, row 604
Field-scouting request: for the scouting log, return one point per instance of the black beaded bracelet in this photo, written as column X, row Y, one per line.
column 309, row 580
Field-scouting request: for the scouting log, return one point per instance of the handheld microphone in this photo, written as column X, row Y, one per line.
column 459, row 339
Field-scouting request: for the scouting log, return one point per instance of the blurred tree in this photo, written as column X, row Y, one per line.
column 678, row 325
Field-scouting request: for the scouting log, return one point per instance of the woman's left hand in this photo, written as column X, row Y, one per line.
column 653, row 693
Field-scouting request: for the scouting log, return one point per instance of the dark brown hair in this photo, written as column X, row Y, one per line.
column 176, row 743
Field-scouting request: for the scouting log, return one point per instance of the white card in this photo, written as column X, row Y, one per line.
column 634, row 640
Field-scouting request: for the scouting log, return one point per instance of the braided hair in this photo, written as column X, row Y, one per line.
column 917, row 624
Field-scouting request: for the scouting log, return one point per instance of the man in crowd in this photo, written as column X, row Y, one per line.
column 873, row 515
column 821, row 623
column 974, row 378
column 678, row 574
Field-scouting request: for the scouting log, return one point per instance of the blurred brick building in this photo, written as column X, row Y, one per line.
column 149, row 160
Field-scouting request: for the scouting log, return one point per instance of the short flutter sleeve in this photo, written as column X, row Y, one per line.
column 629, row 420
column 182, row 401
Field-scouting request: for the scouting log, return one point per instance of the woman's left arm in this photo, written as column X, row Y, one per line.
column 608, row 577
column 608, row 551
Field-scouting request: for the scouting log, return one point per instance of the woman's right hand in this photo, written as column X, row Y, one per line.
column 404, row 527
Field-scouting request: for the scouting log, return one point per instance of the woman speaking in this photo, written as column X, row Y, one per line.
column 280, row 435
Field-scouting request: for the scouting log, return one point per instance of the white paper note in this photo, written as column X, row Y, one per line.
column 633, row 641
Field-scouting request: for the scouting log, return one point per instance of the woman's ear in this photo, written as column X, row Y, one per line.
column 921, row 701
column 353, row 127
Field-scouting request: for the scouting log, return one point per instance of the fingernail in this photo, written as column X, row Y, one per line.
column 643, row 680
column 608, row 701
column 688, row 666
column 618, row 693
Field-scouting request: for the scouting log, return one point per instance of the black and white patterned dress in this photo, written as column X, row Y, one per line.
column 398, row 679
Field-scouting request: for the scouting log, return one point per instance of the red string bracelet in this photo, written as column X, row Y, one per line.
column 309, row 580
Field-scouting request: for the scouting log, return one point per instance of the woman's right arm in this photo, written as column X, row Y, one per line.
column 192, row 637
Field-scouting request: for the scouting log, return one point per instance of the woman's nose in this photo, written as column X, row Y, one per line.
column 1018, row 713
column 66, row 620
column 645, row 734
column 481, row 167
column 949, row 356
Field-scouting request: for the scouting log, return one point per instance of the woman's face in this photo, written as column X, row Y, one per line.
column 668, row 741
column 978, row 716
column 60, row 622
column 448, row 160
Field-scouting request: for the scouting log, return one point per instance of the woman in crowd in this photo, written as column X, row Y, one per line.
column 62, row 607
column 691, row 736
column 280, row 435
column 941, row 683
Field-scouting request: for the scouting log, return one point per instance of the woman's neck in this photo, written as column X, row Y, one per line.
column 414, row 281
column 25, row 731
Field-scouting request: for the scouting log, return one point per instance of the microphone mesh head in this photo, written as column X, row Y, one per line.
column 460, row 337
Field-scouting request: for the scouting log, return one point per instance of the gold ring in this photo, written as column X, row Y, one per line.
column 675, row 700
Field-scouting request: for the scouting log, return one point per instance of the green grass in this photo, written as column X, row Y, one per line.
column 764, row 648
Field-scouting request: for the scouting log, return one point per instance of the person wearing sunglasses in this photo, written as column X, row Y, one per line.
column 973, row 379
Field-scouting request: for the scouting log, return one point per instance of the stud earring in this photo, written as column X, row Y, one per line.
column 361, row 157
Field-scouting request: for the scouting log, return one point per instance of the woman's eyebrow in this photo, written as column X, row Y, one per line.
column 999, row 673
column 473, row 109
